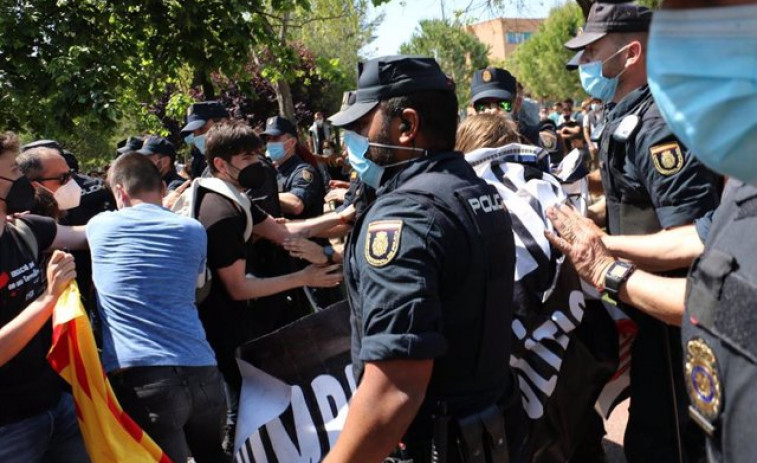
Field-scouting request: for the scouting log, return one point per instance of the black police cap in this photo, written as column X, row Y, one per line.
column 572, row 65
column 277, row 125
column 200, row 113
column 606, row 17
column 130, row 144
column 52, row 144
column 391, row 76
column 157, row 145
column 493, row 83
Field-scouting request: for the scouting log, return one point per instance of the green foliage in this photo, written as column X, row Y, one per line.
column 458, row 53
column 539, row 63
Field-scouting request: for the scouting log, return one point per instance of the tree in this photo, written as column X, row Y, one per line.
column 539, row 63
column 458, row 53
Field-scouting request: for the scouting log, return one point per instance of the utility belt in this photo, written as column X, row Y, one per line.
column 479, row 437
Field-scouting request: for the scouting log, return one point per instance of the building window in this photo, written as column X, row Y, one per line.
column 518, row 37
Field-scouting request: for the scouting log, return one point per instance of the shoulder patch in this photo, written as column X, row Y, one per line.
column 382, row 241
column 307, row 175
column 703, row 382
column 548, row 140
column 353, row 175
column 667, row 158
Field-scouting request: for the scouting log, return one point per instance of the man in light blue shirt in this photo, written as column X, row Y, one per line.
column 145, row 262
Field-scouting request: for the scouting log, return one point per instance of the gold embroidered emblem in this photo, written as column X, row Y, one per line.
column 702, row 380
column 382, row 241
column 307, row 175
column 486, row 76
column 667, row 158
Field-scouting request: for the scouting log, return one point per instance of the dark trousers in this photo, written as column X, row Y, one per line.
column 182, row 408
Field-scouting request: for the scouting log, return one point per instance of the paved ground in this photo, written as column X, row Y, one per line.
column 615, row 427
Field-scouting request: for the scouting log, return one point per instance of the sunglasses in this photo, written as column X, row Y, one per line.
column 62, row 178
column 504, row 105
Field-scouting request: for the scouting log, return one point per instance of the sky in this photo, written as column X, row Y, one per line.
column 402, row 17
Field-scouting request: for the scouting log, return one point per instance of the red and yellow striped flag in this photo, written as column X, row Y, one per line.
column 110, row 435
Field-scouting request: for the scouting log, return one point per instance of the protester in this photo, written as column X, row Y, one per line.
column 146, row 260
column 413, row 266
column 37, row 419
column 651, row 183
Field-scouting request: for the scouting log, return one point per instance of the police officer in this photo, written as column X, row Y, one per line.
column 200, row 118
column 301, row 189
column 428, row 267
column 651, row 183
column 707, row 102
column 162, row 153
column 496, row 90
column 128, row 145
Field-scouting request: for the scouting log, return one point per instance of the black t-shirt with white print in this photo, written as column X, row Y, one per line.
column 28, row 384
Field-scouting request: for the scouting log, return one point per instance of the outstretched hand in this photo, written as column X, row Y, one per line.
column 581, row 240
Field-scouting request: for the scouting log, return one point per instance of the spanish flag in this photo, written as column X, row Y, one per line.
column 109, row 434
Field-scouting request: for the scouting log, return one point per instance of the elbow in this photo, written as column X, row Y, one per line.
column 298, row 207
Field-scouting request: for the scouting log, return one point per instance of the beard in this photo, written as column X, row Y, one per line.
column 379, row 155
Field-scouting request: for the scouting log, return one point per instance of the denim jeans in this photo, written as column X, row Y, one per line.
column 183, row 409
column 50, row 437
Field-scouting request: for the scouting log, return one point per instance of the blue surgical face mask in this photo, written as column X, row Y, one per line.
column 368, row 171
column 594, row 81
column 199, row 142
column 275, row 150
column 702, row 73
column 189, row 139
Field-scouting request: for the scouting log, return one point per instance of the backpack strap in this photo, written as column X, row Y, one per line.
column 224, row 189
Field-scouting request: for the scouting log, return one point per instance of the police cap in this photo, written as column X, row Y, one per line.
column 277, row 125
column 157, row 145
column 391, row 76
column 129, row 144
column 200, row 113
column 606, row 17
column 493, row 83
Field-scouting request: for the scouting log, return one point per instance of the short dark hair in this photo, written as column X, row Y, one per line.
column 437, row 110
column 30, row 161
column 229, row 139
column 135, row 173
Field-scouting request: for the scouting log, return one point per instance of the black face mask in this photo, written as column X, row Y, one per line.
column 20, row 197
column 252, row 176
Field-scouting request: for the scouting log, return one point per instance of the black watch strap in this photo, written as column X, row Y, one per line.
column 615, row 275
column 328, row 250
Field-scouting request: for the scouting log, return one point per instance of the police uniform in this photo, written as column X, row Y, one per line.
column 651, row 183
column 428, row 269
column 719, row 346
column 304, row 181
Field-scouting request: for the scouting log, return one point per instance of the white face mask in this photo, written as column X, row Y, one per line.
column 68, row 196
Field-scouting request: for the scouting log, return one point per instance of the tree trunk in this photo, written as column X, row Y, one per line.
column 201, row 79
column 585, row 6
column 283, row 90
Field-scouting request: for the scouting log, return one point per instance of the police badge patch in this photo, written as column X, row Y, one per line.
column 667, row 158
column 307, row 175
column 703, row 383
column 382, row 241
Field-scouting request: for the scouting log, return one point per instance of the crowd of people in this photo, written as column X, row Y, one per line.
column 441, row 234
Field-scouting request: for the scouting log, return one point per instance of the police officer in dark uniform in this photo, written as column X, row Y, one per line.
column 301, row 189
column 201, row 117
column 428, row 267
column 707, row 101
column 163, row 154
column 651, row 183
column 496, row 90
column 128, row 145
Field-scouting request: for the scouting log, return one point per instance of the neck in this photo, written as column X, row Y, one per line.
column 633, row 81
column 229, row 180
column 155, row 199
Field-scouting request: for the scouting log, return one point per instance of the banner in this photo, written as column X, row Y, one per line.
column 296, row 383
column 109, row 434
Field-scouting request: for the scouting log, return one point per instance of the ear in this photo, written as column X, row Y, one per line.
column 635, row 52
column 122, row 198
column 218, row 163
column 412, row 124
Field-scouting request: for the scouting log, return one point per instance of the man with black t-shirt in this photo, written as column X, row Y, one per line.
column 37, row 420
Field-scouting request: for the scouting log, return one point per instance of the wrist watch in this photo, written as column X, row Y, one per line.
column 328, row 251
column 617, row 274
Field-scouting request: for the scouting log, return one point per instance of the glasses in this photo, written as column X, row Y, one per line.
column 504, row 105
column 62, row 178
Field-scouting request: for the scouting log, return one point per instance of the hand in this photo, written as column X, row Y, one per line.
column 281, row 220
column 318, row 276
column 60, row 271
column 303, row 248
column 338, row 184
column 581, row 241
column 172, row 196
column 336, row 194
